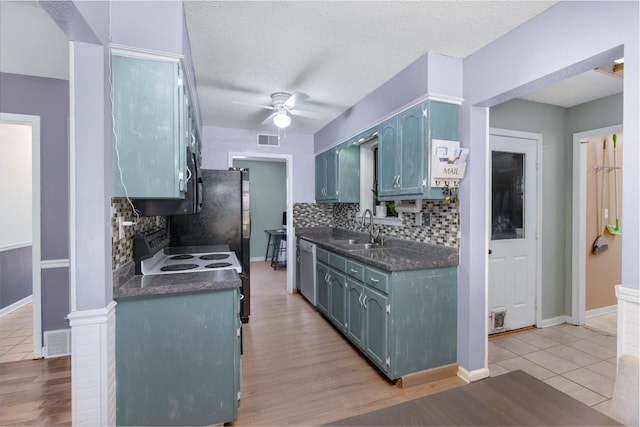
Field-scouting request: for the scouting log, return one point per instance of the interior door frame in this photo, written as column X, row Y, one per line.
column 288, row 159
column 537, row 137
column 579, row 223
column 36, row 244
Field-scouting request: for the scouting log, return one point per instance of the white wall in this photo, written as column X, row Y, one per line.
column 217, row 142
column 15, row 185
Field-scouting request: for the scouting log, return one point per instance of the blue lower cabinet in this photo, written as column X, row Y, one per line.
column 403, row 321
column 178, row 359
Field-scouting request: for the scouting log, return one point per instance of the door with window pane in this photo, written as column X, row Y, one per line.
column 512, row 229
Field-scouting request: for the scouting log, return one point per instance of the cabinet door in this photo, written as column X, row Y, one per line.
column 331, row 193
column 376, row 319
column 338, row 305
column 355, row 312
column 388, row 157
column 322, row 288
column 412, row 152
column 321, row 173
column 146, row 128
column 444, row 123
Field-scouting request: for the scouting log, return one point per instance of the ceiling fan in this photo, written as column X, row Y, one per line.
column 283, row 106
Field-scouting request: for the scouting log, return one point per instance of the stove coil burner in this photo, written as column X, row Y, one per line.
column 213, row 257
column 179, row 267
column 181, row 257
column 218, row 265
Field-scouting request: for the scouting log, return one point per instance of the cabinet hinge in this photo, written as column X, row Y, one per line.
column 179, row 81
column 424, row 182
column 239, row 394
column 238, row 332
column 389, row 308
column 388, row 361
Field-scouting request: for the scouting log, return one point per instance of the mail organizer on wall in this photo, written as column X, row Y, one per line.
column 448, row 163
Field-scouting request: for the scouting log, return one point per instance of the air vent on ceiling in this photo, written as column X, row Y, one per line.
column 268, row 140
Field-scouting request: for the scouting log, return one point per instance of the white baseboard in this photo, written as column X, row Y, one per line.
column 628, row 320
column 16, row 305
column 475, row 375
column 600, row 311
column 93, row 369
column 258, row 258
column 546, row 323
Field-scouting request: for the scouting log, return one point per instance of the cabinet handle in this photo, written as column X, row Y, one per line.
column 364, row 301
column 374, row 280
column 353, row 271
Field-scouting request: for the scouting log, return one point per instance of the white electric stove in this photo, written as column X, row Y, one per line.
column 162, row 263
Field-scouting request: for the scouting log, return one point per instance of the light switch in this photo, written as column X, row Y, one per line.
column 606, row 213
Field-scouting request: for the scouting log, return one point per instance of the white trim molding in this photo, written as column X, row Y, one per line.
column 546, row 323
column 16, row 305
column 93, row 369
column 13, row 246
column 54, row 263
column 475, row 375
column 600, row 311
column 628, row 320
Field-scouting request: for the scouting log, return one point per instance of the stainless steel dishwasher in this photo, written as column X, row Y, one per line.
column 308, row 270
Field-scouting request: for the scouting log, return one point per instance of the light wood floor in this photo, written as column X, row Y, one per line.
column 298, row 370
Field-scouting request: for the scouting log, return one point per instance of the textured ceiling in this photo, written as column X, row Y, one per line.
column 334, row 51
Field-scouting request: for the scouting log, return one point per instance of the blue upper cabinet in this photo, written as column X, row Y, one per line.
column 404, row 149
column 338, row 175
column 153, row 126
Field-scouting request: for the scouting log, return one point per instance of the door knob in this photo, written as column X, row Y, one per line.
column 490, row 252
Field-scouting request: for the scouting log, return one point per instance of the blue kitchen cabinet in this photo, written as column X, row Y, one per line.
column 322, row 288
column 338, row 174
column 178, row 358
column 376, row 327
column 152, row 127
column 403, row 321
column 355, row 313
column 404, row 149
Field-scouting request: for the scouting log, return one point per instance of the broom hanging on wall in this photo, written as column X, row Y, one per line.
column 601, row 244
column 615, row 229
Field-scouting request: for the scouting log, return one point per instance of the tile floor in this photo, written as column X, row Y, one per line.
column 579, row 361
column 16, row 335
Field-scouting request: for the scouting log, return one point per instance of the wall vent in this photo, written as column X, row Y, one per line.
column 57, row 343
column 269, row 140
column 497, row 319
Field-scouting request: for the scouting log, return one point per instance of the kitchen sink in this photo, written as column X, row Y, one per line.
column 361, row 246
column 344, row 242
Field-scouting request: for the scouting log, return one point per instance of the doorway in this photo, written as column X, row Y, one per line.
column 27, row 233
column 288, row 159
column 514, row 249
column 594, row 275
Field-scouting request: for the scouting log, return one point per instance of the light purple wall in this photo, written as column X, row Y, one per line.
column 56, row 294
column 554, row 45
column 430, row 74
column 217, row 142
column 15, row 275
column 49, row 99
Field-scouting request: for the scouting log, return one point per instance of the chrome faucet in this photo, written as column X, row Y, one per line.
column 373, row 234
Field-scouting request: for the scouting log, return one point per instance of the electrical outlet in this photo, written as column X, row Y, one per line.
column 426, row 219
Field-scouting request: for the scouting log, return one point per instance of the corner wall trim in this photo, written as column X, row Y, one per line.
column 628, row 315
column 475, row 375
column 93, row 368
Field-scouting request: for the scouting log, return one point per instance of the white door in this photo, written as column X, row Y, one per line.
column 512, row 249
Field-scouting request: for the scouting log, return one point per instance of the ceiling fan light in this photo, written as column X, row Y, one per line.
column 282, row 120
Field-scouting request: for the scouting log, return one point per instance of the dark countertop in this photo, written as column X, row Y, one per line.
column 126, row 284
column 394, row 255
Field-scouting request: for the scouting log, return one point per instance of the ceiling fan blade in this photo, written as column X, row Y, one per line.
column 308, row 114
column 267, row 107
column 269, row 118
column 296, row 98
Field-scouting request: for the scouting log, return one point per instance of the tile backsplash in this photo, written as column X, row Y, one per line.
column 444, row 230
column 122, row 248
